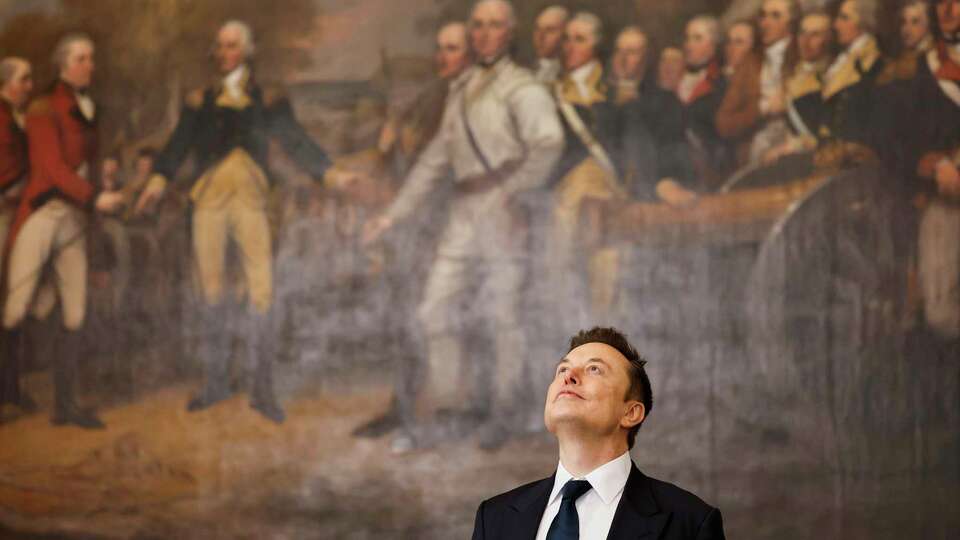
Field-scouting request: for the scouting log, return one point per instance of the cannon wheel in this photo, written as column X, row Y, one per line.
column 821, row 309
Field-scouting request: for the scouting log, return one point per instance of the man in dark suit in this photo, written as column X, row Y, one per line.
column 595, row 406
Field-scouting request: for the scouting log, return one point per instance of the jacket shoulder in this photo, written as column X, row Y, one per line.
column 678, row 500
column 499, row 502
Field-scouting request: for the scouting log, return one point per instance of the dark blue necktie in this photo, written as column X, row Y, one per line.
column 566, row 526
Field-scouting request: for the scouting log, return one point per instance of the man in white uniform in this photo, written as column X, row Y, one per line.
column 501, row 137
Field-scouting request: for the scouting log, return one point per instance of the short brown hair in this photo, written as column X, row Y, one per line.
column 640, row 388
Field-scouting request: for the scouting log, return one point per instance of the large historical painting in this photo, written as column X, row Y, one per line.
column 305, row 268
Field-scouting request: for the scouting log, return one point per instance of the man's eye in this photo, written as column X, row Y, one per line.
column 594, row 369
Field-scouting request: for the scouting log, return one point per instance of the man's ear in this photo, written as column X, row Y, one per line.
column 634, row 414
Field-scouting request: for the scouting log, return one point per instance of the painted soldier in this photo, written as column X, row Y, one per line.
column 547, row 41
column 16, row 83
column 804, row 107
column 753, row 110
column 916, row 39
column 849, row 82
column 643, row 103
column 701, row 90
column 501, row 136
column 52, row 220
column 409, row 136
column 227, row 128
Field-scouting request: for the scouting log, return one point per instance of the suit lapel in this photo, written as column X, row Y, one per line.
column 528, row 510
column 638, row 516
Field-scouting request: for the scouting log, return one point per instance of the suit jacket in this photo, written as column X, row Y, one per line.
column 649, row 509
column 61, row 141
column 210, row 131
column 13, row 149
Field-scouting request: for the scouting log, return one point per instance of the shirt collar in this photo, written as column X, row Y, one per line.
column 777, row 51
column 582, row 73
column 545, row 63
column 235, row 77
column 608, row 480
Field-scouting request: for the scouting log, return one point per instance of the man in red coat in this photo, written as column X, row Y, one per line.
column 51, row 221
column 16, row 83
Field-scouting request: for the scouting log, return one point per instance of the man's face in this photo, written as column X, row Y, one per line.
column 589, row 391
column 847, row 24
column 670, row 68
column 579, row 45
column 814, row 38
column 229, row 50
column 914, row 25
column 18, row 88
column 108, row 174
column 774, row 21
column 452, row 55
column 77, row 69
column 548, row 34
column 144, row 165
column 629, row 56
column 948, row 13
column 699, row 47
column 739, row 43
column 490, row 30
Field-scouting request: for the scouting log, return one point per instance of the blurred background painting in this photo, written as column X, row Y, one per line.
column 797, row 306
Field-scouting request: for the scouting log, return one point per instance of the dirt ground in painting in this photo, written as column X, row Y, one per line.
column 159, row 472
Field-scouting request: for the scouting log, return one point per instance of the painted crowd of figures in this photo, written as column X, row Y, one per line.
column 519, row 152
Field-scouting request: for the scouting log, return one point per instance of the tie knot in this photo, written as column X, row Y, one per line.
column 574, row 489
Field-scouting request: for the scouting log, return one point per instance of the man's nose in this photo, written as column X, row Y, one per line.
column 572, row 376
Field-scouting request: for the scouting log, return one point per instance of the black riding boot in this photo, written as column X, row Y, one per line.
column 65, row 408
column 260, row 354
column 214, row 352
column 11, row 343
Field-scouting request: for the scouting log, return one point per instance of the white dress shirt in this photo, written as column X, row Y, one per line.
column 232, row 82
column 86, row 105
column 689, row 82
column 548, row 70
column 580, row 76
column 771, row 74
column 596, row 507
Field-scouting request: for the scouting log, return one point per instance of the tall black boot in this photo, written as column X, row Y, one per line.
column 10, row 366
column 214, row 352
column 261, row 351
column 65, row 407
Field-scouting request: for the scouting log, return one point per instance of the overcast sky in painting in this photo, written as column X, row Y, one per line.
column 9, row 8
column 351, row 35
